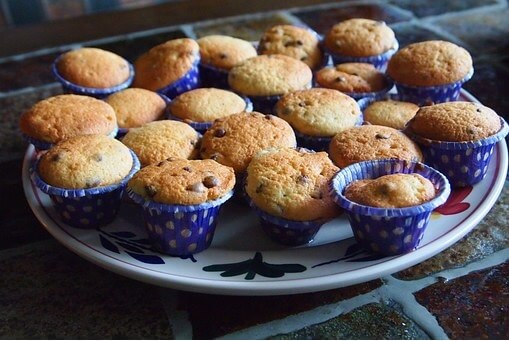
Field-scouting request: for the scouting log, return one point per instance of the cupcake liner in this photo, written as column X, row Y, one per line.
column 264, row 104
column 71, row 88
column 426, row 95
column 388, row 231
column 213, row 77
column 376, row 95
column 180, row 230
column 86, row 207
column 288, row 232
column 464, row 163
column 379, row 61
column 191, row 80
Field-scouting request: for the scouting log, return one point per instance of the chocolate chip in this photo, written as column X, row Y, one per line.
column 214, row 157
column 150, row 190
column 220, row 132
column 381, row 136
column 299, row 42
column 317, row 194
column 269, row 117
column 161, row 163
column 92, row 183
column 340, row 79
column 223, row 56
column 304, row 58
column 471, row 131
column 197, row 187
column 302, row 179
column 259, row 188
column 478, row 110
column 211, row 181
column 97, row 157
column 171, row 158
column 56, row 157
column 302, row 104
column 187, row 169
column 355, row 74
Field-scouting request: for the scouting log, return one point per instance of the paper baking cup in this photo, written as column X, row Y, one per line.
column 388, row 231
column 427, row 95
column 288, row 232
column 180, row 230
column 72, row 88
column 86, row 208
column 379, row 61
column 201, row 127
column 464, row 163
column 190, row 81
column 213, row 77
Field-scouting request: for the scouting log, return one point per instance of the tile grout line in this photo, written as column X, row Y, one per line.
column 178, row 319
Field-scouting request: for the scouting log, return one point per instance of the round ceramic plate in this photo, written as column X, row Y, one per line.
column 242, row 260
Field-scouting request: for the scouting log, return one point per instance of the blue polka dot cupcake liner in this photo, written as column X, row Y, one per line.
column 122, row 131
column 213, row 77
column 464, row 163
column 41, row 145
column 285, row 231
column 86, row 208
column 72, row 88
column 388, row 231
column 379, row 61
column 201, row 127
column 427, row 95
column 190, row 81
column 264, row 104
column 180, row 230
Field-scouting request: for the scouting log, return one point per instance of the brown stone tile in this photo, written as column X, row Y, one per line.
column 439, row 7
column 247, row 29
column 321, row 20
column 47, row 292
column 409, row 33
column 369, row 322
column 213, row 316
column 473, row 306
column 491, row 235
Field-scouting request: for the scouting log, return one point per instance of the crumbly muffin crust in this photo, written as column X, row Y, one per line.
column 206, row 104
column 224, row 52
column 429, row 63
column 86, row 161
column 165, row 63
column 135, row 107
column 372, row 142
column 292, row 183
column 183, row 182
column 269, row 75
column 93, row 67
column 455, row 122
column 159, row 140
column 292, row 41
column 235, row 139
column 394, row 114
column 391, row 191
column 352, row 77
column 318, row 112
column 63, row 116
column 360, row 38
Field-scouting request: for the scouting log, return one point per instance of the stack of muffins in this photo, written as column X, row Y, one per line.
column 319, row 106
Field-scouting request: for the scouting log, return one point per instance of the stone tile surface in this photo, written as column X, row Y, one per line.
column 248, row 29
column 321, row 20
column 408, row 33
column 47, row 292
column 423, row 9
column 215, row 315
column 474, row 306
column 369, row 322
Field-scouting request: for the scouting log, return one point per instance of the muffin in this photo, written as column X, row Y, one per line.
column 200, row 107
column 159, row 140
column 389, row 202
column 135, row 106
column 288, row 188
column 235, row 139
column 64, row 116
column 318, row 114
column 293, row 41
column 390, row 113
column 430, row 71
column 264, row 79
column 361, row 40
column 181, row 201
column 372, row 142
column 219, row 53
column 357, row 80
column 85, row 176
column 93, row 72
column 458, row 138
column 170, row 68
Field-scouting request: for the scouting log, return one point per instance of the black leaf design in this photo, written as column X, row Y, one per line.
column 108, row 245
column 149, row 259
column 355, row 248
column 368, row 258
column 130, row 247
column 124, row 234
column 143, row 241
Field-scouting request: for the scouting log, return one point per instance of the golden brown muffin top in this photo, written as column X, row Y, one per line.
column 292, row 183
column 224, row 52
column 394, row 114
column 352, row 77
column 183, row 182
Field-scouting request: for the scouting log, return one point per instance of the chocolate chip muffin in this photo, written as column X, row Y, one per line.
column 235, row 139
column 390, row 113
column 292, row 183
column 352, row 78
column 159, row 140
column 224, row 52
column 293, row 41
column 372, row 142
column 391, row 191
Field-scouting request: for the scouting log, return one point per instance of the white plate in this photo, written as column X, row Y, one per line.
column 243, row 261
